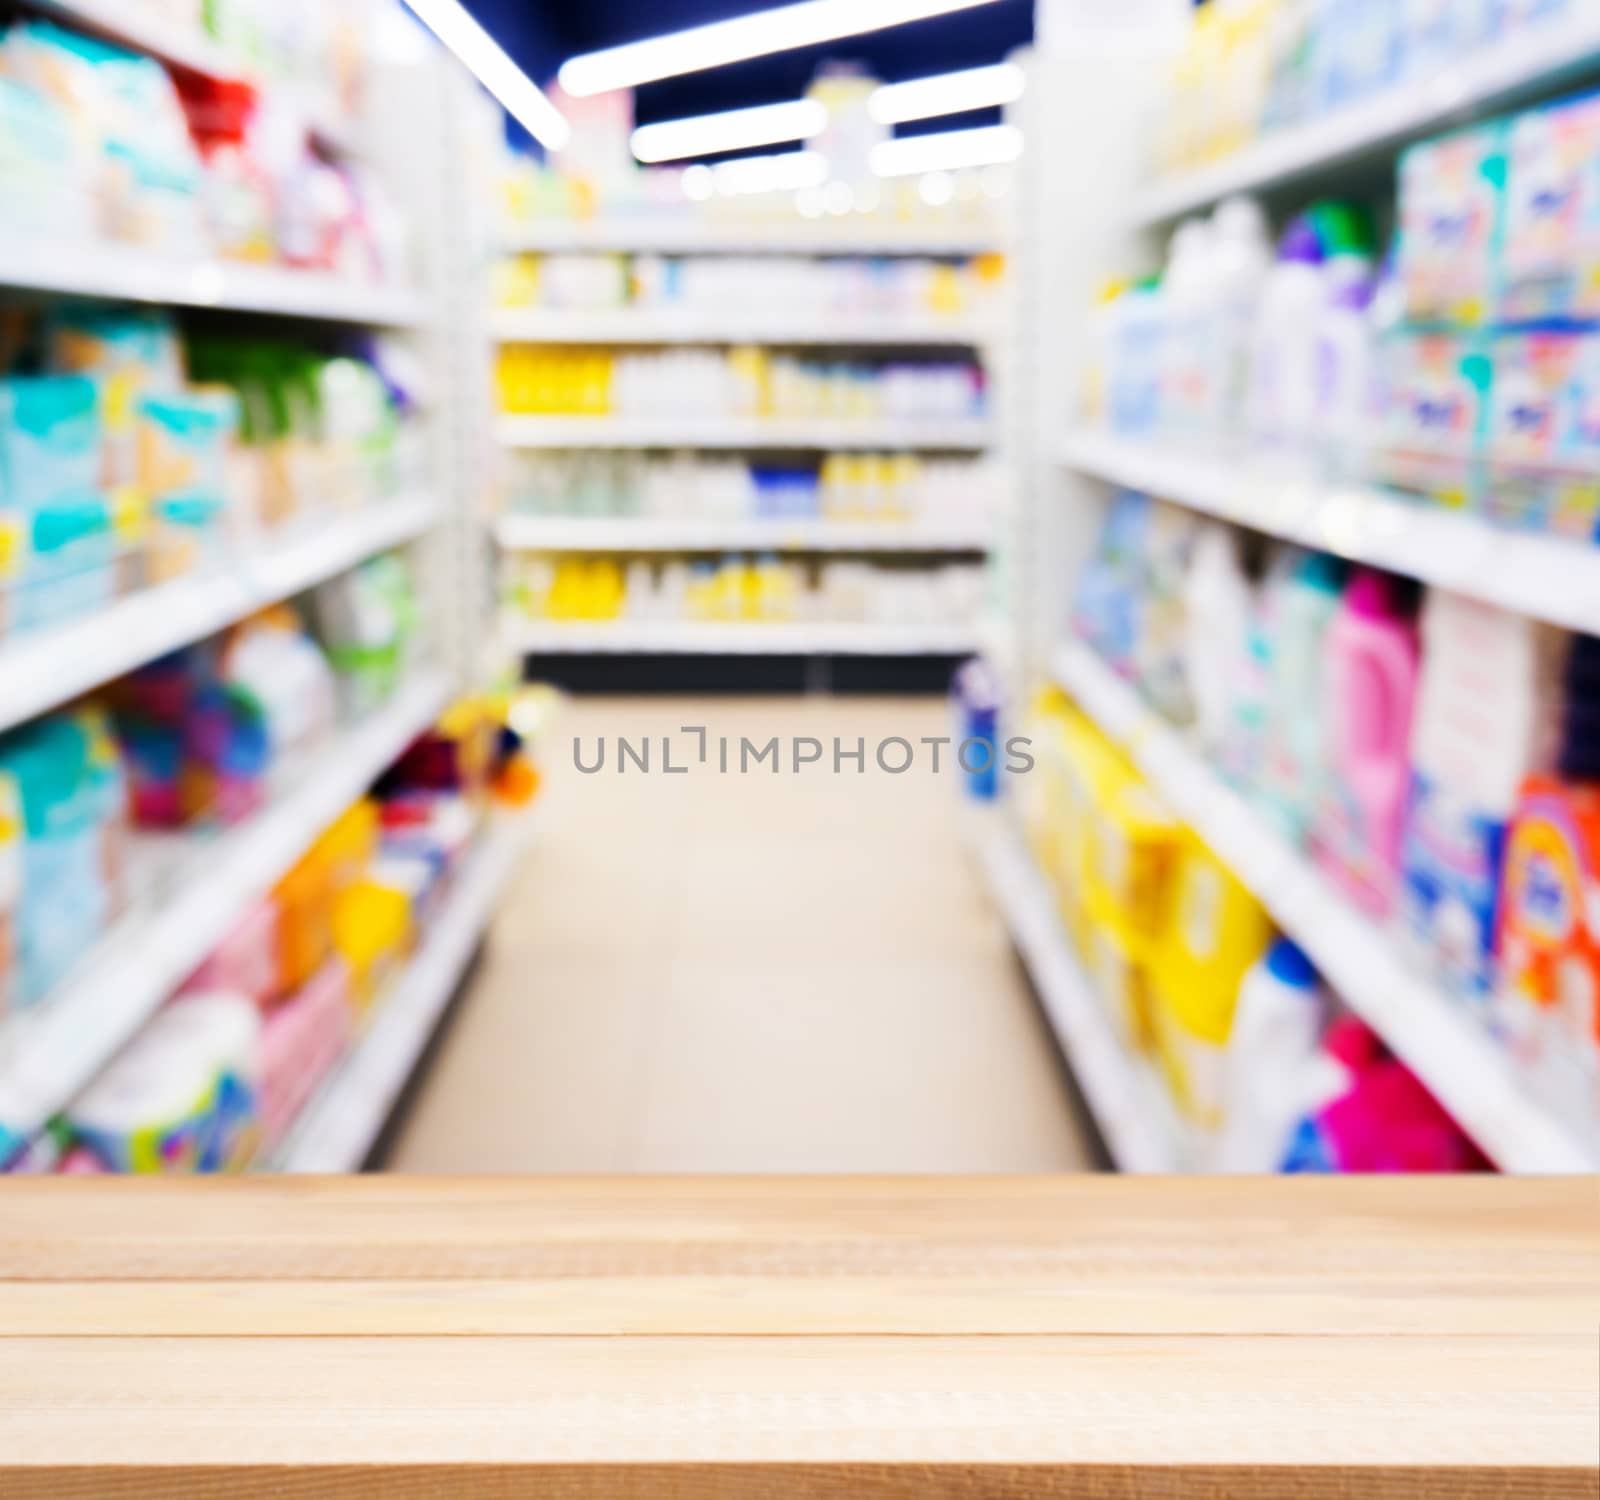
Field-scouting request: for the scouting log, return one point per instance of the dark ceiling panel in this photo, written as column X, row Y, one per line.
column 540, row 34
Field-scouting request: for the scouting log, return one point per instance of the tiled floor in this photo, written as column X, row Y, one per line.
column 705, row 973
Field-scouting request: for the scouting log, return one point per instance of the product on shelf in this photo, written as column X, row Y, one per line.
column 1403, row 760
column 844, row 487
column 1235, row 1021
column 760, row 589
column 182, row 1097
column 1549, row 941
column 1378, row 1116
column 1252, row 67
column 102, row 143
column 11, row 854
column 741, row 383
column 70, row 790
column 1372, row 657
column 141, row 456
column 1272, row 1073
column 1488, row 715
column 729, row 288
column 366, row 621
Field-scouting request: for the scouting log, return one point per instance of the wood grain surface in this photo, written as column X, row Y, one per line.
column 1090, row 1336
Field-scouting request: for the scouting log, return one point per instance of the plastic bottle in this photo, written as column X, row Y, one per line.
column 1305, row 590
column 1270, row 1076
column 1283, row 348
column 1186, row 309
column 1345, row 367
column 1240, row 259
column 1372, row 663
column 1217, row 610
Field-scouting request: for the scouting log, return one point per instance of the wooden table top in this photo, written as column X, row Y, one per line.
column 926, row 1337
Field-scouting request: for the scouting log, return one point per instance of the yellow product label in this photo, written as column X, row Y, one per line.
column 130, row 515
column 12, row 546
column 1215, row 931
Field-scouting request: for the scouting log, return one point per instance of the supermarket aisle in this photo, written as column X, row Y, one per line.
column 707, row 973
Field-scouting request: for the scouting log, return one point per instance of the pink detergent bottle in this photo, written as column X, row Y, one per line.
column 1374, row 656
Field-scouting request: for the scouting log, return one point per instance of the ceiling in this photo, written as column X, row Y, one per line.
column 541, row 34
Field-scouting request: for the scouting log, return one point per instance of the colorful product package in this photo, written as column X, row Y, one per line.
column 366, row 619
column 182, row 1097
column 69, row 782
column 50, row 439
column 1452, row 225
column 1542, row 441
column 371, row 932
column 301, row 1040
column 11, row 836
column 1433, row 402
column 1551, row 254
column 245, row 962
column 184, row 443
column 1549, row 943
column 1489, row 707
column 1215, row 931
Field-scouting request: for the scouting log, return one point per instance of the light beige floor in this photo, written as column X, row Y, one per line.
column 707, row 973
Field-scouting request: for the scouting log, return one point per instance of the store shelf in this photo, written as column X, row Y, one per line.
column 136, row 25
column 697, row 237
column 49, row 1053
column 639, row 534
column 1547, row 578
column 670, row 326
column 1466, row 1071
column 125, row 273
column 957, row 435
column 703, row 638
column 1537, row 60
column 1132, row 1110
column 344, row 1119
column 41, row 670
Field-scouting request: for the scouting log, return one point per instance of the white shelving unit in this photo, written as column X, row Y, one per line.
column 124, row 273
column 41, row 671
column 696, row 236
column 50, row 1052
column 186, row 891
column 1089, row 218
column 1535, row 61
column 1130, row 1106
column 715, row 638
column 1545, row 577
column 1463, row 1067
column 672, row 326
column 968, row 435
column 340, row 1125
column 646, row 534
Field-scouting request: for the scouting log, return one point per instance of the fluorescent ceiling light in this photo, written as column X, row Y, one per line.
column 733, row 130
column 947, row 94
column 786, row 172
column 522, row 98
column 947, row 151
column 721, row 42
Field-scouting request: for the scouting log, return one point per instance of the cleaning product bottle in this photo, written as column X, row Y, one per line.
column 1344, row 363
column 1489, row 707
column 1283, row 355
column 1217, row 605
column 1271, row 1066
column 1304, row 589
column 1241, row 257
column 1186, row 301
column 1372, row 662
